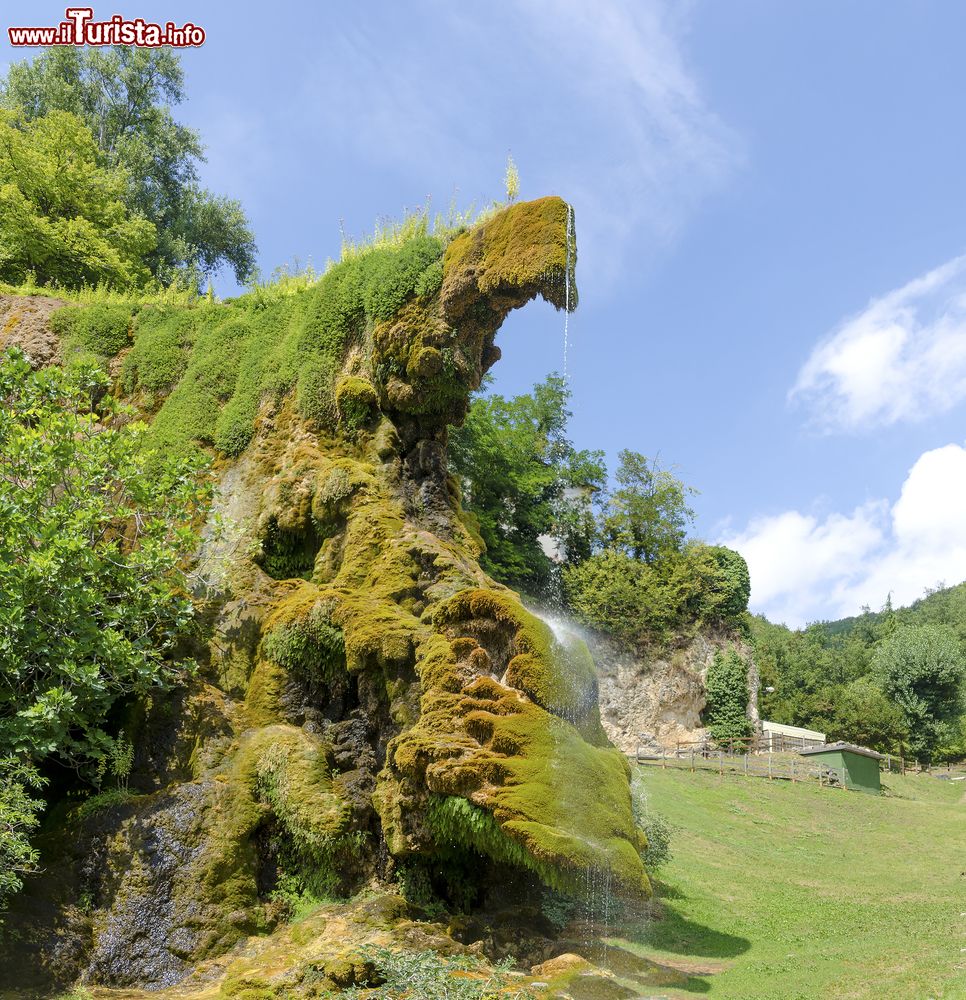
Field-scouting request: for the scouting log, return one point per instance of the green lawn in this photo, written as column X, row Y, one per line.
column 792, row 892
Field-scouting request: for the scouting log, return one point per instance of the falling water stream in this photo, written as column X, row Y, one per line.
column 597, row 903
column 570, row 227
column 599, row 918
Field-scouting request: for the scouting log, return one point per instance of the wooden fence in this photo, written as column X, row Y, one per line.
column 760, row 756
column 780, row 767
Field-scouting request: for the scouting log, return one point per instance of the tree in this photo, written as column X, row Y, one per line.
column 617, row 594
column 92, row 563
column 523, row 479
column 19, row 815
column 62, row 216
column 922, row 669
column 124, row 95
column 861, row 713
column 648, row 514
column 726, row 687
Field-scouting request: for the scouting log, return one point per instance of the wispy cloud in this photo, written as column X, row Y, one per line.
column 597, row 104
column 901, row 359
column 806, row 567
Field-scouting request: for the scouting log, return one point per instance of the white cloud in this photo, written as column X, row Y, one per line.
column 806, row 567
column 902, row 359
column 600, row 94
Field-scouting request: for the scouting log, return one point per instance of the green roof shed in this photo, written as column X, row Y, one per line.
column 858, row 768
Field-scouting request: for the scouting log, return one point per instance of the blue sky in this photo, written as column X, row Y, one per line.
column 770, row 215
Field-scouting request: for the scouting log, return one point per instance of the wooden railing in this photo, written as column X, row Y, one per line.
column 770, row 757
column 776, row 766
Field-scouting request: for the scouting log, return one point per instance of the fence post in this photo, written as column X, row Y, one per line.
column 720, row 763
column 692, row 760
column 664, row 758
column 746, row 765
column 793, row 770
column 769, row 767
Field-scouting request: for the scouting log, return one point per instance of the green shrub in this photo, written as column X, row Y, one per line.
column 101, row 329
column 653, row 825
column 725, row 713
column 104, row 800
column 616, row 593
column 158, row 358
column 89, row 614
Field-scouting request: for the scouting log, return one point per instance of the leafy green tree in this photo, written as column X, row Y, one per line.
column 62, row 215
column 861, row 713
column 922, row 669
column 725, row 713
column 523, row 479
column 92, row 563
column 19, row 813
column 124, row 96
column 648, row 514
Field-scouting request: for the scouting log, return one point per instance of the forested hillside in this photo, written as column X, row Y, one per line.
column 889, row 679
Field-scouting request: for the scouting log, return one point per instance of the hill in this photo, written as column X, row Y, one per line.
column 823, row 677
column 792, row 891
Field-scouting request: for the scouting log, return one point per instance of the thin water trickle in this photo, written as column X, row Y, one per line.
column 570, row 227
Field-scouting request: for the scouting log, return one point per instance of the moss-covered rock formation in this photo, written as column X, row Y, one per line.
column 370, row 703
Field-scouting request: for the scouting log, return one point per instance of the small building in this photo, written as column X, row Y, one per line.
column 775, row 736
column 858, row 768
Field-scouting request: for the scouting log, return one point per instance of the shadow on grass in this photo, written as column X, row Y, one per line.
column 674, row 932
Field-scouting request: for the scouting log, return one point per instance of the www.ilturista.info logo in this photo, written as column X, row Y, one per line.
column 80, row 28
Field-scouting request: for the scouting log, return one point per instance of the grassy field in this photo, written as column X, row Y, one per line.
column 792, row 892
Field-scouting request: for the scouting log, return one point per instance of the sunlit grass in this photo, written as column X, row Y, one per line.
column 797, row 892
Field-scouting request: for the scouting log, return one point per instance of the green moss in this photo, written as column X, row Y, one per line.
column 456, row 822
column 163, row 338
column 101, row 329
column 525, row 247
column 289, row 770
column 561, row 679
column 391, row 275
column 355, row 399
column 300, row 636
column 288, row 553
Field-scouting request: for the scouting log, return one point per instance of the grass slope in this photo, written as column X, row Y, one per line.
column 796, row 892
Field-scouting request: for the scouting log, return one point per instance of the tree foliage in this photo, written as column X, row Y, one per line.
column 92, row 552
column 922, row 669
column 124, row 97
column 725, row 713
column 522, row 479
column 830, row 677
column 647, row 516
column 19, row 815
column 62, row 213
column 648, row 604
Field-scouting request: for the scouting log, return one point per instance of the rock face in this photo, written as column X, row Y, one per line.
column 658, row 701
column 370, row 703
column 25, row 323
